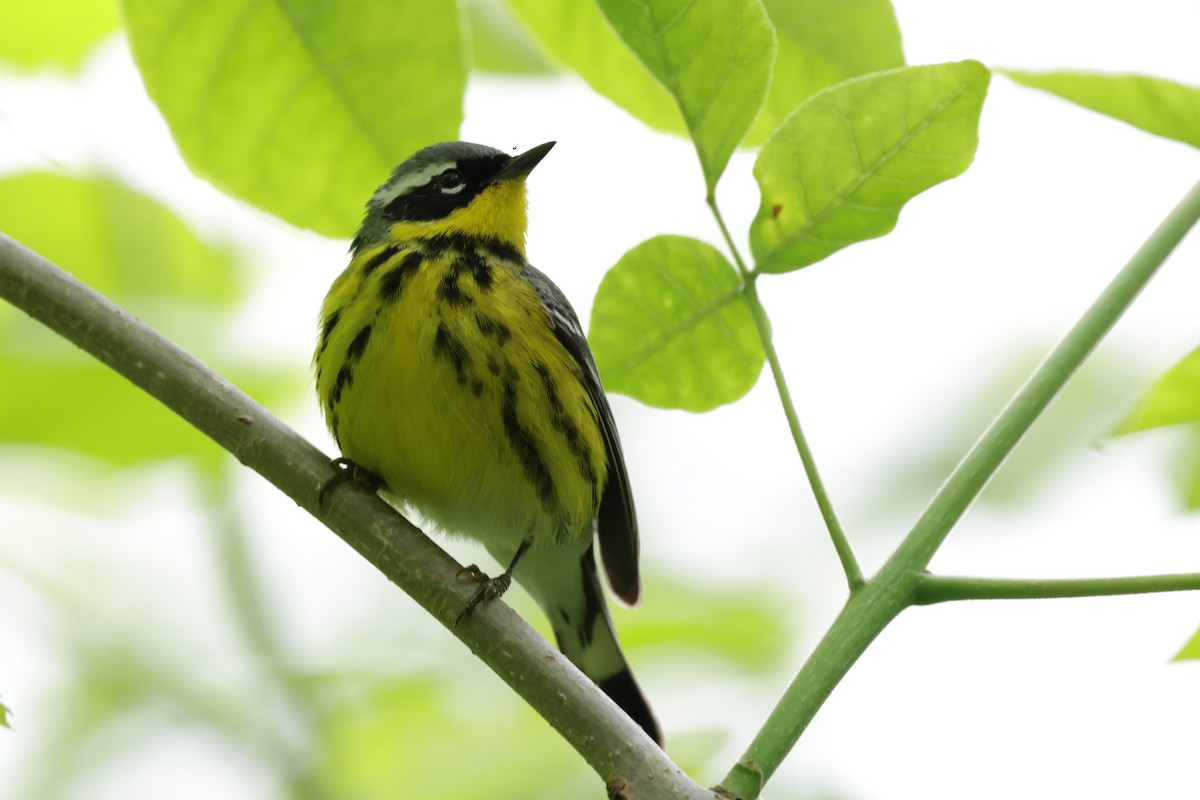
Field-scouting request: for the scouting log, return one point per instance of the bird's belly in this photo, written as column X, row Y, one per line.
column 480, row 426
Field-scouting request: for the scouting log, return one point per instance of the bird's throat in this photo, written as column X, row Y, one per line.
column 497, row 213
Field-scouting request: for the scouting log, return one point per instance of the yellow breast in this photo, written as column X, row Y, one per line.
column 438, row 371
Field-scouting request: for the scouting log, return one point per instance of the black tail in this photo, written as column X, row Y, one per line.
column 568, row 589
column 619, row 685
column 624, row 691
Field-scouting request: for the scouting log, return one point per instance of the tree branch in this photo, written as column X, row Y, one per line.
column 945, row 588
column 616, row 748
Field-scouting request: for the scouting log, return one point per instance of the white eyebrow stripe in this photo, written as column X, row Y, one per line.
column 390, row 191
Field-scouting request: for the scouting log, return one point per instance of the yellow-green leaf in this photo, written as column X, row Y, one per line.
column 713, row 56
column 137, row 252
column 671, row 328
column 823, row 42
column 120, row 242
column 413, row 731
column 737, row 624
column 576, row 34
column 841, row 167
column 54, row 32
column 498, row 43
column 1190, row 486
column 1162, row 107
column 1191, row 650
column 1172, row 400
column 78, row 404
column 301, row 107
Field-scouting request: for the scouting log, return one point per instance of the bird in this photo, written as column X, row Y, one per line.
column 456, row 377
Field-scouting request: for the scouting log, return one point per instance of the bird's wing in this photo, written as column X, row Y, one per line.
column 617, row 522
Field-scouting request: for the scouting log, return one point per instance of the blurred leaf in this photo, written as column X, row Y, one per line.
column 744, row 626
column 820, row 43
column 129, row 684
column 671, row 328
column 72, row 401
column 436, row 738
column 137, row 252
column 1172, row 400
column 54, row 32
column 117, row 422
column 699, row 753
column 1081, row 415
column 1190, row 490
column 301, row 107
column 4, row 713
column 577, row 34
column 823, row 42
column 714, row 57
column 498, row 43
column 841, row 168
column 1159, row 106
column 120, row 242
column 1190, row 651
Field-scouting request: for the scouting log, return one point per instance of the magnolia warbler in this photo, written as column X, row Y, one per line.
column 458, row 376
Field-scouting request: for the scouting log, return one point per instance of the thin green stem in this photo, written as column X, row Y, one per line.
column 737, row 256
column 897, row 584
column 946, row 588
column 841, row 543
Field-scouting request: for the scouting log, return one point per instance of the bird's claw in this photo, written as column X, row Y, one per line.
column 348, row 471
column 489, row 589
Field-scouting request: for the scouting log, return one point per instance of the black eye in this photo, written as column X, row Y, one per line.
column 449, row 181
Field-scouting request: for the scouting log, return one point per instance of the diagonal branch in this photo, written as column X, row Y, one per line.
column 616, row 748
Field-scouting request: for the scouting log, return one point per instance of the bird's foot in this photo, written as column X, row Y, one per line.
column 489, row 588
column 348, row 470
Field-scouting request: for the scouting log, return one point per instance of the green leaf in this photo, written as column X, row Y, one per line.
column 577, row 35
column 122, row 243
column 841, row 167
column 715, row 58
column 823, row 42
column 1162, row 107
column 498, row 43
column 820, row 43
column 67, row 400
column 933, row 445
column 4, row 714
column 438, row 738
column 1172, row 400
column 1190, row 485
column 118, row 423
column 301, row 107
column 740, row 625
column 1190, row 651
column 54, row 32
column 670, row 327
column 137, row 252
